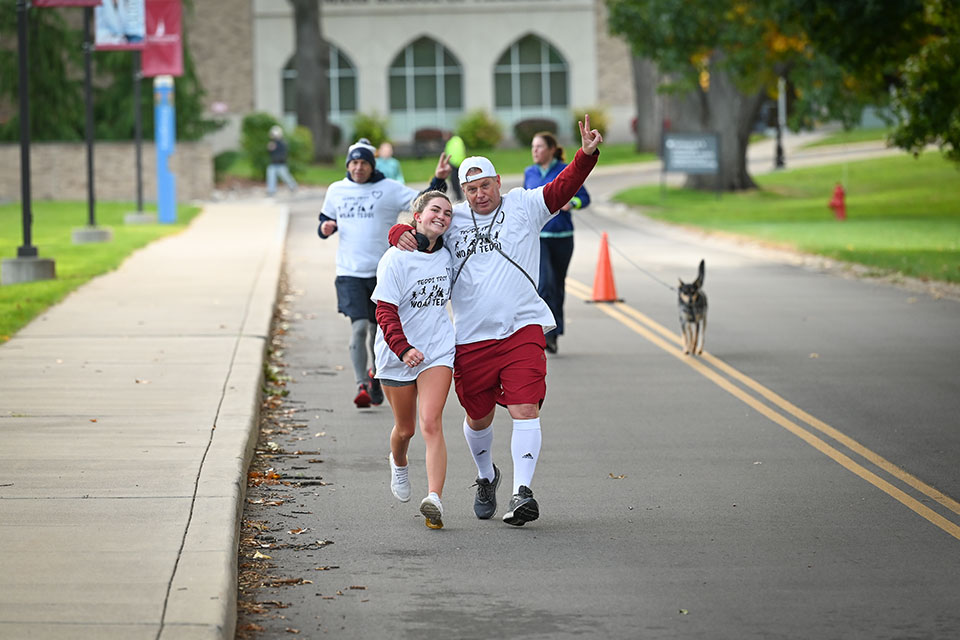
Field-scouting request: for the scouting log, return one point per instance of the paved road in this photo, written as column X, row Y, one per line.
column 787, row 484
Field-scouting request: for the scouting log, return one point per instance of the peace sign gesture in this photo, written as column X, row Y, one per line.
column 590, row 138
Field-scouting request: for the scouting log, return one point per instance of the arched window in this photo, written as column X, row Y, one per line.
column 342, row 86
column 530, row 79
column 426, row 87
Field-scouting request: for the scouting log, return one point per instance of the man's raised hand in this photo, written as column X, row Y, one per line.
column 443, row 167
column 590, row 138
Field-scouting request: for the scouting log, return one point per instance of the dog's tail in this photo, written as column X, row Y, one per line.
column 699, row 280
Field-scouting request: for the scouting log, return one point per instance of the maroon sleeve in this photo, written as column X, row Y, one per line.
column 561, row 190
column 396, row 231
column 388, row 317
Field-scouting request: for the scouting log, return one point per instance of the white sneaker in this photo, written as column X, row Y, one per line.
column 432, row 510
column 399, row 483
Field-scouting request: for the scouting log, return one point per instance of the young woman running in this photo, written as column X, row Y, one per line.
column 411, row 296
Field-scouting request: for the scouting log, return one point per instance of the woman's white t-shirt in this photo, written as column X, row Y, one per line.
column 418, row 283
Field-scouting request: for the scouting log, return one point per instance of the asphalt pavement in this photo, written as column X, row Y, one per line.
column 128, row 413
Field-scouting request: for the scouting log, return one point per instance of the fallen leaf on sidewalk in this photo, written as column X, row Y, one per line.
column 327, row 568
column 139, row 381
column 619, row 477
column 296, row 532
column 262, row 556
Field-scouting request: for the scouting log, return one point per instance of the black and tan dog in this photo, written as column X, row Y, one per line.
column 692, row 304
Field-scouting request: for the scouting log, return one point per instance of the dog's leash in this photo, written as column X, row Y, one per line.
column 581, row 218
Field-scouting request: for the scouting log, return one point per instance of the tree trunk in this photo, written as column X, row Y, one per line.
column 649, row 105
column 726, row 110
column 731, row 113
column 312, row 60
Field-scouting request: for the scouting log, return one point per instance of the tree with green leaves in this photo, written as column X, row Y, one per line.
column 907, row 50
column 56, row 86
column 720, row 60
column 55, row 76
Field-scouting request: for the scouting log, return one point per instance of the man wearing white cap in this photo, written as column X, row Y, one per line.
column 362, row 207
column 499, row 318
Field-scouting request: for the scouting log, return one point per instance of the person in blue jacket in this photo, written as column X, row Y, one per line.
column 556, row 237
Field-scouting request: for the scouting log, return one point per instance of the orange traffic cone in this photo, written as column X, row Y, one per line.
column 603, row 287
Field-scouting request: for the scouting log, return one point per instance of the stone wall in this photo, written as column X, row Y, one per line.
column 59, row 171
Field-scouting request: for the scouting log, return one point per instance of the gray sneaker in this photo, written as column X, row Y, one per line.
column 485, row 503
column 523, row 508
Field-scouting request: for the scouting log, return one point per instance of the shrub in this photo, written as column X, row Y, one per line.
column 223, row 161
column 479, row 131
column 300, row 149
column 599, row 120
column 372, row 127
column 524, row 130
column 254, row 136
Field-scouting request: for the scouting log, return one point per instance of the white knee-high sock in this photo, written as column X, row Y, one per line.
column 525, row 447
column 480, row 443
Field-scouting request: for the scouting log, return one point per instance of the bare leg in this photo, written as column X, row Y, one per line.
column 433, row 385
column 403, row 402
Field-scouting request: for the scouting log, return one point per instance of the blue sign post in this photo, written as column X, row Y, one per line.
column 165, row 135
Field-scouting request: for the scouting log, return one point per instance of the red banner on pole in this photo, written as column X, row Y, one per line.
column 66, row 3
column 163, row 53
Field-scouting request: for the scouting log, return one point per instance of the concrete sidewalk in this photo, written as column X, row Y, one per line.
column 127, row 417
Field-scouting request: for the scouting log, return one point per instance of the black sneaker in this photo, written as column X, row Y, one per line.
column 485, row 503
column 551, row 341
column 523, row 508
column 376, row 391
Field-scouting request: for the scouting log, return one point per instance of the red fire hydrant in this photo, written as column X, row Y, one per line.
column 838, row 204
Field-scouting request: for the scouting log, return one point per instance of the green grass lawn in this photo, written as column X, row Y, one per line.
column 903, row 214
column 851, row 137
column 507, row 162
column 53, row 224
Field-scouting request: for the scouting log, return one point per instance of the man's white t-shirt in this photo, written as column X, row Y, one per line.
column 492, row 298
column 418, row 283
column 364, row 214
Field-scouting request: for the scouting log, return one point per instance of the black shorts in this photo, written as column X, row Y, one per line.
column 353, row 297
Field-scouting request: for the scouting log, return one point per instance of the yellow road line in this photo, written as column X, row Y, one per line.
column 668, row 341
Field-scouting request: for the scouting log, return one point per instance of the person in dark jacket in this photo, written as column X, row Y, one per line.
column 277, row 149
column 556, row 237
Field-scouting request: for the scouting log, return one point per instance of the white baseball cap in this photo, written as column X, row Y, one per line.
column 476, row 162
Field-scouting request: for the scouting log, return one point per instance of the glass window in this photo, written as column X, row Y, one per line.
column 341, row 85
column 425, row 77
column 503, row 89
column 530, row 74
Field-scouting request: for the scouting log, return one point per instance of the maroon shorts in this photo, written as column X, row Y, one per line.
column 505, row 372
